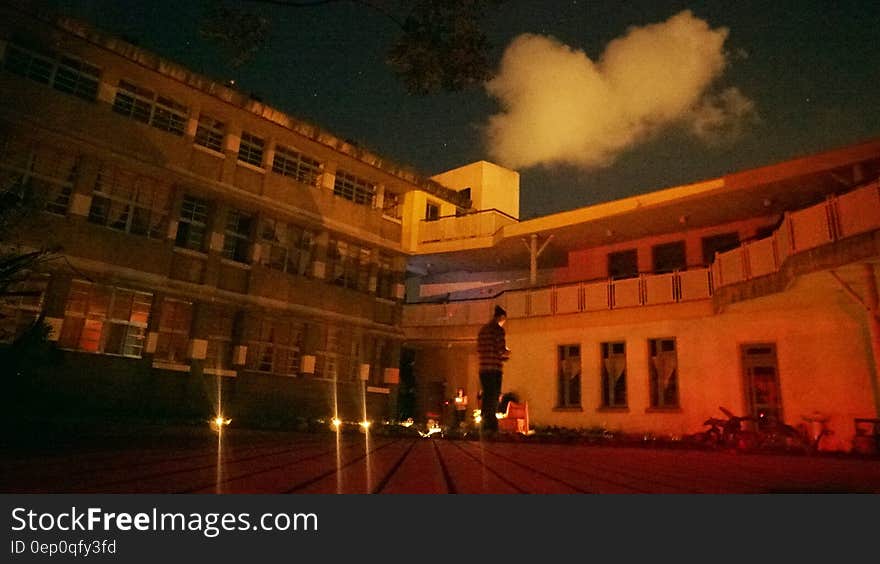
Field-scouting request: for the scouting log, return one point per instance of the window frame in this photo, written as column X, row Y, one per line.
column 296, row 165
column 297, row 251
column 64, row 72
column 238, row 235
column 629, row 272
column 134, row 332
column 432, row 211
column 609, row 390
column 193, row 221
column 146, row 106
column 569, row 394
column 251, row 149
column 53, row 183
column 354, row 188
column 177, row 337
column 658, row 400
column 272, row 352
column 107, row 192
column 670, row 250
column 210, row 133
column 19, row 312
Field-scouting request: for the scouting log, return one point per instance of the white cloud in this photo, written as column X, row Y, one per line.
column 722, row 118
column 561, row 107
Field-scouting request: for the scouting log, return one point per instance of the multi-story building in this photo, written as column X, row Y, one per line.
column 211, row 246
column 216, row 250
column 756, row 292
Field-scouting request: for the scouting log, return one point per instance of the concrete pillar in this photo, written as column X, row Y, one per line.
column 328, row 177
column 379, row 202
column 231, row 143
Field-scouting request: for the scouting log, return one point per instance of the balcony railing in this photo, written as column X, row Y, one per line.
column 649, row 289
column 454, row 227
column 836, row 218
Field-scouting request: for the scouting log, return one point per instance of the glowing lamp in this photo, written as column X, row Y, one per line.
column 336, row 422
column 221, row 421
column 365, row 424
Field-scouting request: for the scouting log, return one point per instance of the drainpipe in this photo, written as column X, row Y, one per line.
column 871, row 303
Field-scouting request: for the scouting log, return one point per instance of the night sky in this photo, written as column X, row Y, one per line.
column 810, row 69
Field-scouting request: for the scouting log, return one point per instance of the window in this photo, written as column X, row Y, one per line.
column 192, row 226
column 614, row 374
column 67, row 74
column 175, row 321
column 296, row 165
column 569, row 373
column 209, row 133
column 29, row 64
column 328, row 361
column 391, row 205
column 354, row 189
column 237, row 237
column 129, row 203
column 623, row 264
column 218, row 333
column 348, row 265
column 276, row 347
column 432, row 211
column 286, row 247
column 384, row 277
column 251, row 149
column 146, row 106
column 105, row 319
column 718, row 244
column 21, row 306
column 669, row 257
column 663, row 369
column 45, row 171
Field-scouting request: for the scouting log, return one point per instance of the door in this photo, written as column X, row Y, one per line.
column 761, row 375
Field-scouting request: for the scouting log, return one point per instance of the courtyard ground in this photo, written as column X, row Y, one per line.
column 196, row 459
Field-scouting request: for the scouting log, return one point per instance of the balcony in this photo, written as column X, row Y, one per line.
column 839, row 218
column 469, row 231
column 646, row 290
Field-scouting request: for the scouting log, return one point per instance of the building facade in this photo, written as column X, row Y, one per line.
column 755, row 292
column 214, row 253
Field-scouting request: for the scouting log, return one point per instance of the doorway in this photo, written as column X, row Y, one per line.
column 761, row 378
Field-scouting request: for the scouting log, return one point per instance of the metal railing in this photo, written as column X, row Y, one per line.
column 483, row 223
column 836, row 218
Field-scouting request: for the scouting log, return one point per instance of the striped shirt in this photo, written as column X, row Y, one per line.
column 491, row 346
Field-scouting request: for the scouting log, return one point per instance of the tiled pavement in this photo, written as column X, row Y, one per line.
column 275, row 462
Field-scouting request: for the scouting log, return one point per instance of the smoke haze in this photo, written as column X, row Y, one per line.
column 561, row 107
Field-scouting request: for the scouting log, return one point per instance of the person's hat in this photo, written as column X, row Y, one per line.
column 499, row 311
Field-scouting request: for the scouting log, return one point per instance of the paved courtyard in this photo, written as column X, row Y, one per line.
column 194, row 460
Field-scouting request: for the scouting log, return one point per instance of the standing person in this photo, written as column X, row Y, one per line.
column 493, row 351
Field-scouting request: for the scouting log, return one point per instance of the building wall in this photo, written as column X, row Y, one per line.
column 822, row 351
column 592, row 263
column 492, row 186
